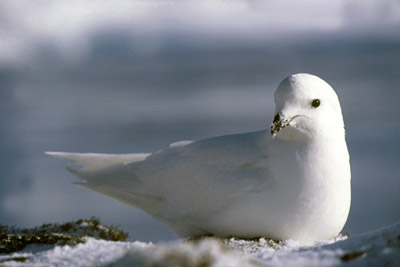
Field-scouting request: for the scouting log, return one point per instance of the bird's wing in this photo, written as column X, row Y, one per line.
column 194, row 178
column 210, row 173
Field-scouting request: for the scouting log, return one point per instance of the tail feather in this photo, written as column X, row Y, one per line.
column 99, row 161
column 111, row 175
column 120, row 183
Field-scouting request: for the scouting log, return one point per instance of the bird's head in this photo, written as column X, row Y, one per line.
column 306, row 107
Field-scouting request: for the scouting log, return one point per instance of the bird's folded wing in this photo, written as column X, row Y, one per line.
column 193, row 178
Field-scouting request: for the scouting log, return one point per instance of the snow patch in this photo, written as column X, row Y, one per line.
column 380, row 247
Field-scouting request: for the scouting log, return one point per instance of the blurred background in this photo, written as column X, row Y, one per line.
column 133, row 76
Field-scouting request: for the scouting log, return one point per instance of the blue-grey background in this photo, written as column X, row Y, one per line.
column 133, row 76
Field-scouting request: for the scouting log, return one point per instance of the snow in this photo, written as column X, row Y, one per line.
column 380, row 247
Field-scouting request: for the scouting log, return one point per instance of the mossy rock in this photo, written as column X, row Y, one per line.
column 14, row 239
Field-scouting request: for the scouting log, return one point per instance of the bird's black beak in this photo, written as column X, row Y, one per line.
column 276, row 124
column 279, row 123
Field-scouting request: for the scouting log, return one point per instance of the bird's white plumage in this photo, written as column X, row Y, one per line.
column 293, row 184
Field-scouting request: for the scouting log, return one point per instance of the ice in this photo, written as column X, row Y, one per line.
column 379, row 247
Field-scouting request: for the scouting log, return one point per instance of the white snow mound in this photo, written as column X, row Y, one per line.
column 377, row 248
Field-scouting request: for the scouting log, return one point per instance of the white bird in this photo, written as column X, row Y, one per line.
column 291, row 181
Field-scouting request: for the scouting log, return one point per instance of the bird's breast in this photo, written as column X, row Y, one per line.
column 312, row 188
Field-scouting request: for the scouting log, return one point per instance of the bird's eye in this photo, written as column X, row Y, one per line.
column 315, row 103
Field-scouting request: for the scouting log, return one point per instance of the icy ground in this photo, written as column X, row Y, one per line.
column 377, row 248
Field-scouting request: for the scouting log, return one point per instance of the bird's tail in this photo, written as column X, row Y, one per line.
column 99, row 161
column 111, row 174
